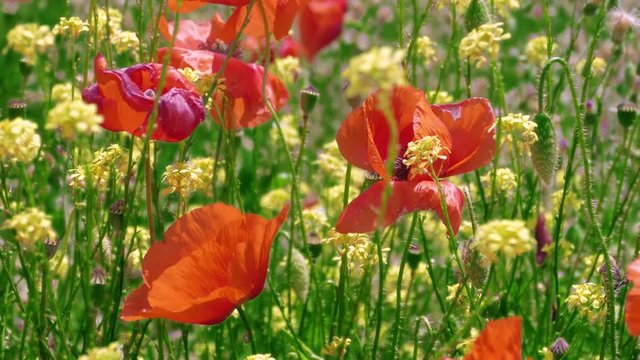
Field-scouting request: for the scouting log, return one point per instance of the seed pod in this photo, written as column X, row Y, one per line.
column 475, row 15
column 414, row 256
column 544, row 152
column 308, row 99
column 626, row 114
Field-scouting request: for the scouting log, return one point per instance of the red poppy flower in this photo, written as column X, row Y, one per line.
column 279, row 16
column 238, row 102
column 125, row 98
column 465, row 132
column 320, row 23
column 500, row 340
column 632, row 307
column 212, row 260
column 191, row 34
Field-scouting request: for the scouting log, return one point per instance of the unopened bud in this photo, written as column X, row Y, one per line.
column 559, row 348
column 627, row 113
column 414, row 256
column 308, row 99
column 476, row 14
column 17, row 108
column 544, row 152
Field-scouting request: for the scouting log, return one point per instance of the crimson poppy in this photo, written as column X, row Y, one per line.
column 212, row 260
column 267, row 16
column 499, row 340
column 320, row 23
column 632, row 307
column 465, row 132
column 125, row 98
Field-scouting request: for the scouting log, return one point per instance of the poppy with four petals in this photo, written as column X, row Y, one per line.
column 212, row 260
column 632, row 307
column 125, row 98
column 465, row 131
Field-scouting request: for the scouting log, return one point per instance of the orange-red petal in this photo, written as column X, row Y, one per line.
column 191, row 5
column 632, row 307
column 471, row 124
column 191, row 34
column 500, row 340
column 320, row 23
column 212, row 260
column 361, row 215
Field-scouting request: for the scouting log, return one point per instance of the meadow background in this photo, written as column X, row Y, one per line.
column 63, row 283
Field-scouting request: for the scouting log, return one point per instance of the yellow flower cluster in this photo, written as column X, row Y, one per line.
column 289, row 129
column 570, row 202
column 29, row 40
column 330, row 161
column 111, row 352
column 422, row 154
column 287, row 69
column 505, row 180
column 124, row 41
column 481, row 41
column 441, row 97
column 260, row 357
column 536, row 50
column 598, row 66
column 32, row 226
column 107, row 18
column 73, row 117
column 63, row 92
column 315, row 220
column 358, row 248
column 588, row 299
column 337, row 347
column 72, row 27
column 184, row 178
column 426, row 48
column 275, row 199
column 111, row 157
column 461, row 5
column 19, row 140
column 518, row 128
column 504, row 6
column 378, row 68
column 200, row 80
column 508, row 237
column 206, row 164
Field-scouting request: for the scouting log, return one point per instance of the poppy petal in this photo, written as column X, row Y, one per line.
column 632, row 307
column 191, row 34
column 471, row 124
column 320, row 23
column 361, row 215
column 499, row 340
column 212, row 259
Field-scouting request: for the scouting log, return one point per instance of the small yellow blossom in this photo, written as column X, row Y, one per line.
column 589, row 300
column 426, row 48
column 571, row 201
column 111, row 352
column 72, row 27
column 183, row 178
column 358, row 248
column 62, row 92
column 504, row 6
column 536, row 50
column 461, row 5
column 315, row 220
column 125, row 41
column 598, row 66
column 508, row 237
column 200, row 80
column 482, row 41
column 59, row 265
column 74, row 117
column 337, row 347
column 260, row 357
column 29, row 40
column 138, row 237
column 378, row 68
column 275, row 199
column 111, row 157
column 505, row 180
column 422, row 154
column 287, row 69
column 518, row 128
column 545, row 353
column 289, row 129
column 206, row 164
column 441, row 97
column 19, row 140
column 32, row 226
column 111, row 18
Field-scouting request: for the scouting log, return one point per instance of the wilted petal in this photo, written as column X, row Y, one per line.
column 361, row 215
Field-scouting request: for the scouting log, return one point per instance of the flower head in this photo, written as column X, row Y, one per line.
column 111, row 352
column 183, row 178
column 508, row 237
column 63, row 92
column 260, row 357
column 621, row 21
column 19, row 140
column 212, row 260
column 481, row 42
column 519, row 129
column 125, row 41
column 32, row 226
column 29, row 40
column 72, row 27
column 505, row 180
column 287, row 68
column 426, row 48
column 337, row 347
column 74, row 117
column 536, row 50
column 109, row 20
column 378, row 68
column 588, row 299
column 110, row 158
column 598, row 66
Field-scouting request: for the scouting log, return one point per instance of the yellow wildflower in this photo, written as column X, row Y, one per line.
column 441, row 97
column 378, row 68
column 337, row 347
column 260, row 357
column 598, row 66
column 183, row 178
column 111, row 157
column 508, row 237
column 19, row 140
column 536, row 50
column 111, row 17
column 29, row 40
column 358, row 248
column 461, row 5
column 504, row 6
column 481, row 41
column 517, row 128
column 63, row 92
column 545, row 353
column 289, row 129
column 589, row 300
column 111, row 352
column 426, row 48
column 287, row 69
column 32, row 226
column 200, row 80
column 125, row 41
column 505, row 180
column 73, row 117
column 72, row 27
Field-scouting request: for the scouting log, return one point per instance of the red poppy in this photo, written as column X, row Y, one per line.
column 320, row 23
column 238, row 101
column 267, row 16
column 465, row 131
column 191, row 34
column 500, row 340
column 632, row 308
column 125, row 98
column 212, row 260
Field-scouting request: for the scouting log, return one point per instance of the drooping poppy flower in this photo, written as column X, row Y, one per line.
column 125, row 98
column 212, row 260
column 632, row 307
column 455, row 138
column 320, row 23
column 266, row 17
column 238, row 101
column 499, row 340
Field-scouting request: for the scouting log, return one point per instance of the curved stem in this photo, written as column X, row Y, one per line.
column 247, row 326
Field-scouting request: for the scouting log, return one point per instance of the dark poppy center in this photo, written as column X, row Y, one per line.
column 400, row 170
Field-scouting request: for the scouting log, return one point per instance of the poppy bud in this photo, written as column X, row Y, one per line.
column 559, row 348
column 544, row 152
column 17, row 108
column 315, row 246
column 626, row 114
column 591, row 114
column 414, row 256
column 619, row 280
column 475, row 15
column 308, row 99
